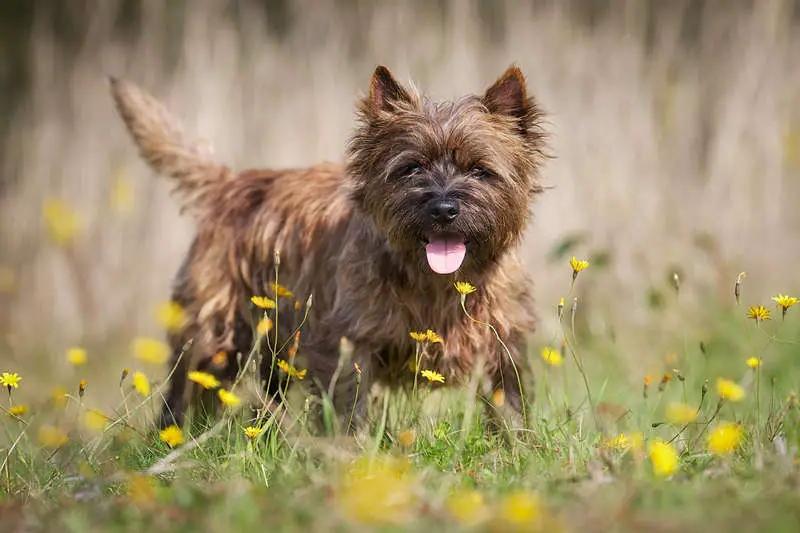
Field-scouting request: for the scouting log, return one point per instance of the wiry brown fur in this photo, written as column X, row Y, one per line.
column 352, row 236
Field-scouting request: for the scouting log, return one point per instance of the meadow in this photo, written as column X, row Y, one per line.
column 708, row 439
column 663, row 392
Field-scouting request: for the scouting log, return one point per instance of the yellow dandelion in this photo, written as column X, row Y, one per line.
column 228, row 398
column 204, row 379
column 172, row 435
column 520, row 509
column 52, row 437
column 95, row 420
column 121, row 196
column 406, row 438
column 264, row 326
column 141, row 489
column 467, row 507
column 141, row 384
column 432, row 376
column 464, row 287
column 724, row 438
column 150, row 350
column 252, row 432
column 77, row 356
column 729, row 390
column 58, row 395
column 418, row 336
column 577, row 265
column 625, row 441
column 378, row 490
column 753, row 362
column 61, row 222
column 18, row 410
column 551, row 356
column 291, row 370
column 171, row 316
column 10, row 380
column 499, row 398
column 263, row 302
column 433, row 337
column 784, row 302
column 680, row 414
column 759, row 313
column 280, row 291
column 663, row 458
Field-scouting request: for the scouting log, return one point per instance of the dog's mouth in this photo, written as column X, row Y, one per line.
column 445, row 252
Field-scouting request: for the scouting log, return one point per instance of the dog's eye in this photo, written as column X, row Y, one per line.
column 481, row 173
column 406, row 170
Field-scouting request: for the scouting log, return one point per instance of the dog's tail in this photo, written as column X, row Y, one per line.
column 165, row 148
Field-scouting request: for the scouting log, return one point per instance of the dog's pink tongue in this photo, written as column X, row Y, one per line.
column 445, row 254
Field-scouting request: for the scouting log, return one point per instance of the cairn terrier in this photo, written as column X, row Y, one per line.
column 431, row 193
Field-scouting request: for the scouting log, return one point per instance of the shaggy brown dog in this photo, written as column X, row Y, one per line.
column 431, row 193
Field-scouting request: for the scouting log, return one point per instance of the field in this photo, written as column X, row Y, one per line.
column 662, row 396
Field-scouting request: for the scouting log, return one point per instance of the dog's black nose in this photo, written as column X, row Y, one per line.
column 443, row 211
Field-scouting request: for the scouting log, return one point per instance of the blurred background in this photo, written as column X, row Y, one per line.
column 674, row 130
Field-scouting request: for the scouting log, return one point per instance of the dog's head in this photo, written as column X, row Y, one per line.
column 451, row 182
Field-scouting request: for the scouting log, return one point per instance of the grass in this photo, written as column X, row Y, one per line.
column 428, row 457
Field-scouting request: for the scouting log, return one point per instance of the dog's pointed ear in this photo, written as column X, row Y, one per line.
column 385, row 91
column 508, row 95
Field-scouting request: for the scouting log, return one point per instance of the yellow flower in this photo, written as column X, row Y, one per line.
column 519, row 509
column 59, row 397
column 432, row 376
column 625, row 441
column 150, row 350
column 280, row 291
column 464, row 287
column 419, row 336
column 171, row 316
column 252, row 432
column 141, row 489
column 10, row 380
column 499, row 398
column 95, row 420
column 291, row 370
column 77, row 356
column 172, row 435
column 551, row 356
column 18, row 410
column 406, row 438
column 141, row 384
column 264, row 326
column 784, row 302
column 378, row 490
column 724, row 438
column 753, row 362
column 578, row 265
column 663, row 458
column 228, row 398
column 82, row 387
column 52, row 437
column 204, row 379
column 729, row 390
column 61, row 221
column 263, row 302
column 467, row 506
column 680, row 414
column 758, row 313
column 433, row 337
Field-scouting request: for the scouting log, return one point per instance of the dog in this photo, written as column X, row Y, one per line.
column 431, row 193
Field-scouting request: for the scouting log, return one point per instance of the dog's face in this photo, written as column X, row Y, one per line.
column 450, row 182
